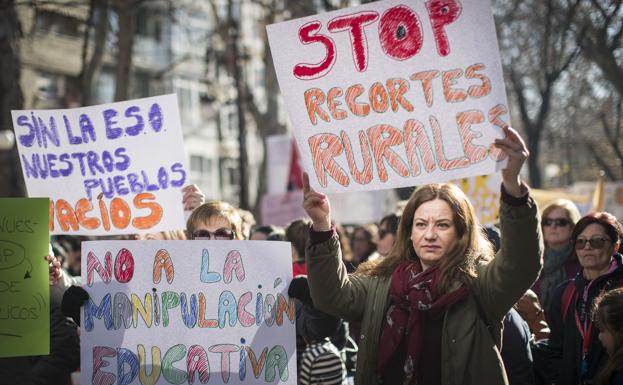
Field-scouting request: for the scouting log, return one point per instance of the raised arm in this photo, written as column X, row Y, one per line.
column 332, row 290
column 504, row 280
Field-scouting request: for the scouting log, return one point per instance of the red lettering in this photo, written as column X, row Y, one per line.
column 465, row 120
column 314, row 97
column 124, row 266
column 307, row 35
column 364, row 176
column 442, row 13
column 400, row 32
column 358, row 41
column 417, row 139
column 382, row 138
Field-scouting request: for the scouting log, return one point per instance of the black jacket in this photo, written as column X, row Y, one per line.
column 565, row 340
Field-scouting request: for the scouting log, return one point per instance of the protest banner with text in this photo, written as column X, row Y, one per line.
column 109, row 169
column 24, row 288
column 172, row 312
column 393, row 93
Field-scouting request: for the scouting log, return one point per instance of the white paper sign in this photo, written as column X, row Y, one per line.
column 109, row 169
column 172, row 312
column 393, row 93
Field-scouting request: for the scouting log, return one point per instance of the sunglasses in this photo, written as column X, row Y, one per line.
column 221, row 234
column 383, row 233
column 596, row 243
column 560, row 222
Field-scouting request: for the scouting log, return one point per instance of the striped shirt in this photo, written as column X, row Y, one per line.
column 321, row 364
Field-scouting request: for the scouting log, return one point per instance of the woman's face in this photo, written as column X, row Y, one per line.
column 433, row 233
column 592, row 258
column 360, row 245
column 386, row 239
column 607, row 340
column 557, row 228
column 215, row 228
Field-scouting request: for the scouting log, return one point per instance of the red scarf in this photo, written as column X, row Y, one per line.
column 413, row 295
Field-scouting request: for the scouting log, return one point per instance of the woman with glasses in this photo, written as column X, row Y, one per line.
column 574, row 338
column 387, row 234
column 215, row 220
column 559, row 261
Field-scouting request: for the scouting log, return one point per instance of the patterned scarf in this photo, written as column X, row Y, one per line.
column 414, row 295
column 554, row 273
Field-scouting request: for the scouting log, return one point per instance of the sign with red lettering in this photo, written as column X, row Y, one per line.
column 393, row 93
column 109, row 169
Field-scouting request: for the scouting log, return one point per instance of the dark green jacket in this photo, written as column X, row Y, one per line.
column 469, row 352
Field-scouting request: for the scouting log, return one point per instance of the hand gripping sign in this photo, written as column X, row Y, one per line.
column 393, row 93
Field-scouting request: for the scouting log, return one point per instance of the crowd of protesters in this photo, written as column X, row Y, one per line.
column 424, row 296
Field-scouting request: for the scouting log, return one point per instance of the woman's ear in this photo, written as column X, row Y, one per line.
column 616, row 247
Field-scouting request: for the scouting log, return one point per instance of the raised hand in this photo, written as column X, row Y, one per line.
column 514, row 146
column 55, row 273
column 193, row 197
column 317, row 206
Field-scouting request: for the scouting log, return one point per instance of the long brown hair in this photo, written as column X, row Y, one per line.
column 608, row 315
column 459, row 265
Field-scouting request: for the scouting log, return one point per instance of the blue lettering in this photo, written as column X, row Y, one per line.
column 42, row 165
column 148, row 186
column 135, row 185
column 92, row 159
column 124, row 163
column 206, row 275
column 27, row 139
column 90, row 184
column 132, row 112
column 107, row 161
column 31, row 169
column 51, row 133
column 155, row 117
column 80, row 156
column 227, row 305
column 189, row 316
column 86, row 127
column 163, row 178
column 53, row 171
column 178, row 168
column 70, row 167
column 119, row 185
column 111, row 131
column 72, row 139
column 103, row 310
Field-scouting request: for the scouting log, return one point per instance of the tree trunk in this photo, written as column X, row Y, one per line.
column 126, row 11
column 11, row 98
column 533, row 161
column 91, row 67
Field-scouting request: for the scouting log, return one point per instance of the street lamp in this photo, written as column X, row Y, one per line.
column 7, row 140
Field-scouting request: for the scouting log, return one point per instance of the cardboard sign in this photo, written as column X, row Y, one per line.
column 24, row 288
column 484, row 194
column 393, row 93
column 109, row 169
column 172, row 312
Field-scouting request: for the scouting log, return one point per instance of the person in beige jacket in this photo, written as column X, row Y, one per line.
column 431, row 311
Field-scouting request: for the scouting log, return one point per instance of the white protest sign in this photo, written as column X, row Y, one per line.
column 109, row 169
column 172, row 312
column 393, row 93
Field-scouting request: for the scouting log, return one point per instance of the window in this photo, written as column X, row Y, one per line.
column 47, row 21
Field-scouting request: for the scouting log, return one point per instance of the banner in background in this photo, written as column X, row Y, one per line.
column 24, row 288
column 172, row 312
column 392, row 93
column 109, row 169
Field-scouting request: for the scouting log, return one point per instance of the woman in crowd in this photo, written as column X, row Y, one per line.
column 387, row 234
column 559, row 261
column 578, row 355
column 363, row 243
column 215, row 220
column 608, row 316
column 431, row 310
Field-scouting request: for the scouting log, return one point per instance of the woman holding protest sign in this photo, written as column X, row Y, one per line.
column 439, row 291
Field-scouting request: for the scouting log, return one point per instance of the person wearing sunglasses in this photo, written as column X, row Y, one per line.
column 559, row 261
column 578, row 354
column 215, row 220
column 387, row 234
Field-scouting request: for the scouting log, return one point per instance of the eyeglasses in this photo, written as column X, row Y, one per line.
column 560, row 222
column 218, row 235
column 383, row 233
column 596, row 243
